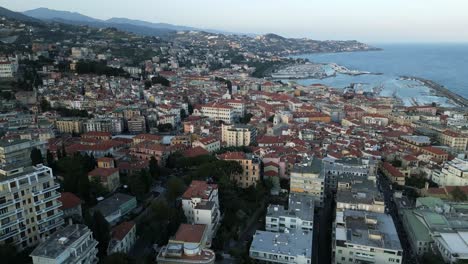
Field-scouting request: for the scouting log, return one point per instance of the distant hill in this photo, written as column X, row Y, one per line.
column 16, row 15
column 129, row 25
column 149, row 24
column 50, row 14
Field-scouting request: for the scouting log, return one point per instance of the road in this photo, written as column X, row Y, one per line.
column 321, row 247
column 408, row 256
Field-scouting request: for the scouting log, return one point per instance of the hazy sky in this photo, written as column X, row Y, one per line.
column 365, row 20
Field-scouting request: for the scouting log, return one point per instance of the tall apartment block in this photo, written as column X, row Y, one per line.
column 29, row 205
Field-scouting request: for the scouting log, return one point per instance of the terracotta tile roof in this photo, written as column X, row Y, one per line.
column 435, row 151
column 392, row 170
column 199, row 189
column 190, row 233
column 102, row 172
column 69, row 200
column 120, row 231
column 194, row 152
column 232, row 155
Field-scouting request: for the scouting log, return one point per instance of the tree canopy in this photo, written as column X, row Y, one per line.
column 36, row 157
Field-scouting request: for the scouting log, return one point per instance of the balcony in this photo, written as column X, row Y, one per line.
column 9, row 234
column 47, row 209
column 49, row 227
column 45, row 200
column 51, row 188
column 59, row 214
column 10, row 213
column 7, row 203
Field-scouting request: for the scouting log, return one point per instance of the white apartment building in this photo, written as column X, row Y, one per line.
column 217, row 112
column 365, row 237
column 7, row 69
column 73, row 244
column 358, row 193
column 238, row 135
column 238, row 107
column 299, row 215
column 29, row 205
column 201, row 206
column 293, row 247
column 453, row 173
column 111, row 125
column 210, row 144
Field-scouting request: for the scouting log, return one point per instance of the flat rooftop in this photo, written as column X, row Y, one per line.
column 59, row 241
column 367, row 229
column 300, row 206
column 111, row 204
column 297, row 243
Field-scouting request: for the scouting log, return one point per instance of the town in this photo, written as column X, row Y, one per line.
column 124, row 148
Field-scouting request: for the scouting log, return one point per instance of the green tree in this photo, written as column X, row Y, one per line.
column 45, row 105
column 36, row 156
column 49, row 158
column 175, row 188
column 190, row 108
column 117, row 258
column 458, row 195
column 8, row 253
column 140, row 184
column 165, row 127
column 183, row 114
column 160, row 80
column 271, row 118
column 101, row 232
column 153, row 168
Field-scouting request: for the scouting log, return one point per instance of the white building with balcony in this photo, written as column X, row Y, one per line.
column 201, row 206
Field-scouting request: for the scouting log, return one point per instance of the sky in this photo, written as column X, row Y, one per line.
column 374, row 21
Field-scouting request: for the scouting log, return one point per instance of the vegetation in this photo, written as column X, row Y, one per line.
column 101, row 232
column 36, row 157
column 246, row 118
column 160, row 223
column 165, row 127
column 140, row 184
column 74, row 170
column 160, row 80
column 99, row 68
column 271, row 118
column 458, row 195
column 117, row 258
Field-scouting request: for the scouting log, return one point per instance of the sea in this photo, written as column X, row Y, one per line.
column 446, row 64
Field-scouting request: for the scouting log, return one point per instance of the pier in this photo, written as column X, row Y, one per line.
column 441, row 90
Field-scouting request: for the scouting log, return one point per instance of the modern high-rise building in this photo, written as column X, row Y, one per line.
column 29, row 206
column 29, row 201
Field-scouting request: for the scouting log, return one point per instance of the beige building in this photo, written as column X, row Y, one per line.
column 69, row 125
column 454, row 140
column 250, row 165
column 29, row 206
column 217, row 112
column 238, row 135
column 307, row 178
